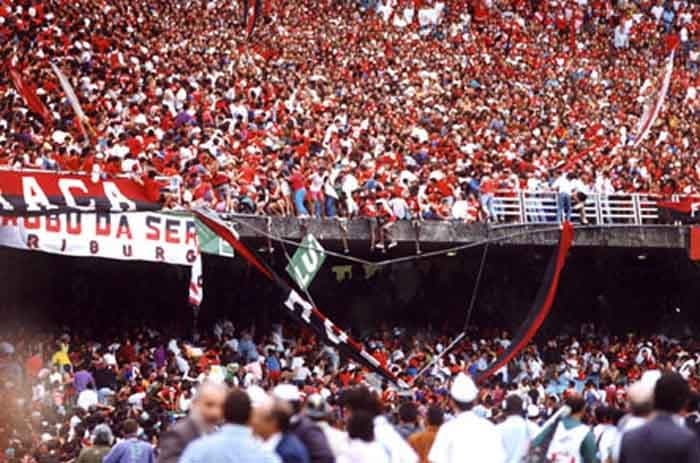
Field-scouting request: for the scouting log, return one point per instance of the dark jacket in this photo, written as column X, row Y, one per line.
column 660, row 440
column 291, row 450
column 175, row 439
column 313, row 438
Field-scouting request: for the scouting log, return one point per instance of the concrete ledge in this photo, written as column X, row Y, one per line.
column 358, row 230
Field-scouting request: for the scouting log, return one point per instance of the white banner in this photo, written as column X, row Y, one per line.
column 144, row 236
column 655, row 95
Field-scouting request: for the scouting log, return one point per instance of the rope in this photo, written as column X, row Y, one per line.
column 424, row 255
column 477, row 283
column 463, row 334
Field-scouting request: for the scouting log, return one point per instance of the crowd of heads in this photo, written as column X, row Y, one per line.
column 66, row 394
column 351, row 108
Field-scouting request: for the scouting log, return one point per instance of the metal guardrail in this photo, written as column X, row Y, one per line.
column 533, row 207
column 601, row 209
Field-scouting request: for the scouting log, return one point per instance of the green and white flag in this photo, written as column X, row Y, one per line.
column 306, row 261
column 211, row 243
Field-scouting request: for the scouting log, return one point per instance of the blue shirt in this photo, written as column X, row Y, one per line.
column 231, row 444
column 131, row 451
column 248, row 350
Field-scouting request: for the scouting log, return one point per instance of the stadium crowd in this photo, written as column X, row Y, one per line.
column 286, row 398
column 397, row 109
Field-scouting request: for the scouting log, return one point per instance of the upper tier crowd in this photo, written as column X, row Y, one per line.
column 393, row 108
column 144, row 395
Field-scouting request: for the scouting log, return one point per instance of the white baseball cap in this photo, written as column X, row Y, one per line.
column 287, row 392
column 463, row 389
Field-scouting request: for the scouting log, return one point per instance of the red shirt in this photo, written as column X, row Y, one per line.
column 488, row 186
column 297, row 181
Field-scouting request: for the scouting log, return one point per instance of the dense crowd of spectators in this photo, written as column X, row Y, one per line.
column 397, row 109
column 65, row 396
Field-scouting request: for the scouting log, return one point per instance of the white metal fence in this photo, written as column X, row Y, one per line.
column 542, row 207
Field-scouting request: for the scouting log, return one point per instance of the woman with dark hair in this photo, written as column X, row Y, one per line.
column 102, row 443
column 362, row 448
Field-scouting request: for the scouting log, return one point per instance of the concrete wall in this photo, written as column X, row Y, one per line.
column 358, row 230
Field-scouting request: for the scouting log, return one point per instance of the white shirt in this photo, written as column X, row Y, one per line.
column 467, row 438
column 391, row 442
column 359, row 451
column 606, row 437
column 399, row 207
column 337, row 440
column 516, row 435
column 563, row 185
column 460, row 209
column 87, row 399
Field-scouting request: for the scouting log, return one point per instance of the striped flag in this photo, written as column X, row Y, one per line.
column 72, row 98
column 655, row 102
column 195, row 292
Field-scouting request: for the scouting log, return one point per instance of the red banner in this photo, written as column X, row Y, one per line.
column 36, row 192
column 30, row 97
column 694, row 244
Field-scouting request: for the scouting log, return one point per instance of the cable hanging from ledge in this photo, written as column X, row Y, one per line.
column 423, row 255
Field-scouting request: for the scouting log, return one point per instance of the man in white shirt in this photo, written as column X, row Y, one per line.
column 580, row 192
column 621, row 39
column 515, row 431
column 564, row 186
column 467, row 437
column 605, row 434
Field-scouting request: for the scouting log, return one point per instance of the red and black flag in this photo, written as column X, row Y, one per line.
column 296, row 306
column 542, row 305
column 250, row 19
column 44, row 192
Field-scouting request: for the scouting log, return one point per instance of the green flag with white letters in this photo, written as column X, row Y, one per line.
column 306, row 261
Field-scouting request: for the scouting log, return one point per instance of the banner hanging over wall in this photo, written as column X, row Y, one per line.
column 143, row 236
column 296, row 306
column 541, row 307
column 36, row 192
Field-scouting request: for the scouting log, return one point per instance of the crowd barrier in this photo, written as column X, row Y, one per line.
column 600, row 209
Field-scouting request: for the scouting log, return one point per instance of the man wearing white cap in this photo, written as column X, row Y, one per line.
column 467, row 437
column 308, row 432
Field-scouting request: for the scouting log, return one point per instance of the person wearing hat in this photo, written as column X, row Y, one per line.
column 308, row 432
column 318, row 410
column 467, row 437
